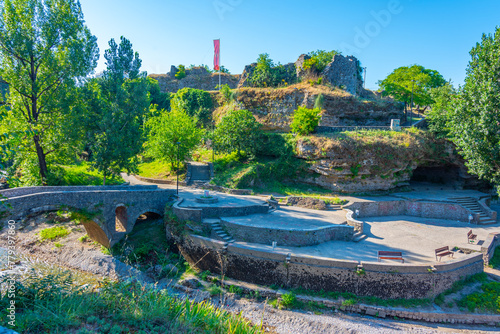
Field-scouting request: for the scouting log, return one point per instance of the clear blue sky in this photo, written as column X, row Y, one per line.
column 382, row 34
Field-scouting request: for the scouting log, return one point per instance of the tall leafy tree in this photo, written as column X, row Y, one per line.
column 116, row 107
column 416, row 80
column 443, row 101
column 172, row 135
column 45, row 49
column 475, row 121
column 237, row 131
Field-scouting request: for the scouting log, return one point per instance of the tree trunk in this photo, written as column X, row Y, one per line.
column 42, row 163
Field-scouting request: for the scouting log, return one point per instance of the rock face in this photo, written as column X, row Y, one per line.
column 247, row 72
column 344, row 72
column 299, row 65
column 274, row 108
column 350, row 164
column 197, row 77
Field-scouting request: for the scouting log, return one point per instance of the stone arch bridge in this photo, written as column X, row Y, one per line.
column 112, row 210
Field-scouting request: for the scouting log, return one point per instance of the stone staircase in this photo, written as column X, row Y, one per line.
column 333, row 207
column 472, row 204
column 217, row 228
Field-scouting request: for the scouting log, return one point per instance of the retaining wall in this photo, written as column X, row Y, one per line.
column 439, row 210
column 287, row 237
column 489, row 246
column 382, row 280
column 197, row 214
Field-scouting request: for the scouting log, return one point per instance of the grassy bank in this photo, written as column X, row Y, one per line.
column 55, row 304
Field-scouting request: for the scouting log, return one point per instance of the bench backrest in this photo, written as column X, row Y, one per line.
column 442, row 249
column 389, row 253
column 469, row 234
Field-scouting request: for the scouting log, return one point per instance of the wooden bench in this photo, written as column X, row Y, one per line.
column 443, row 251
column 471, row 237
column 389, row 255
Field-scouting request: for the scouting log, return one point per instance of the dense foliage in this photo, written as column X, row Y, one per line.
column 195, row 102
column 114, row 111
column 319, row 59
column 181, row 72
column 237, row 131
column 269, row 74
column 172, row 135
column 45, row 50
column 439, row 115
column 474, row 123
column 305, row 120
column 416, row 80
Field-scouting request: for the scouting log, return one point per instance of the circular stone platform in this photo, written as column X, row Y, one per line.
column 207, row 200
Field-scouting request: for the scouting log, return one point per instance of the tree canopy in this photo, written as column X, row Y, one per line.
column 172, row 135
column 237, row 131
column 403, row 80
column 45, row 50
column 116, row 105
column 474, row 122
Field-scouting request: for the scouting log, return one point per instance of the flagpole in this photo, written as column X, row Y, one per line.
column 220, row 64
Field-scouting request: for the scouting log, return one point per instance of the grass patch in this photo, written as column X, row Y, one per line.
column 487, row 300
column 158, row 169
column 82, row 175
column 53, row 233
column 84, row 238
column 55, row 304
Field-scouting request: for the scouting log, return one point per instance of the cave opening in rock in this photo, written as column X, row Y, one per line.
column 443, row 175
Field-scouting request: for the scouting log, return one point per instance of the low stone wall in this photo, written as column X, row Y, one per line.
column 358, row 225
column 197, row 214
column 159, row 181
column 439, row 210
column 14, row 192
column 484, row 205
column 489, row 246
column 382, row 280
column 214, row 187
column 287, row 237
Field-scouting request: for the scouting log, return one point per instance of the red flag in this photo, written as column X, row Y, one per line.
column 216, row 54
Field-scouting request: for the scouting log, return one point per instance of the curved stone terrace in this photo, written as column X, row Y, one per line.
column 416, row 237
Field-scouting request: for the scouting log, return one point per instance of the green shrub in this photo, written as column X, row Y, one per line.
column 58, row 244
column 319, row 60
column 288, row 300
column 226, row 94
column 305, row 120
column 84, row 238
column 269, row 74
column 195, row 102
column 52, row 233
column 181, row 72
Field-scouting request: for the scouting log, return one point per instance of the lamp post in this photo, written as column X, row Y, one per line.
column 178, row 148
column 411, row 110
column 364, row 80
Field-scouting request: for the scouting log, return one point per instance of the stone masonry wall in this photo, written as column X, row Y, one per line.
column 259, row 266
column 343, row 72
column 295, row 238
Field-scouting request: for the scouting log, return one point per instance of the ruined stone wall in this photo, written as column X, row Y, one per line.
column 198, row 78
column 344, row 72
column 257, row 265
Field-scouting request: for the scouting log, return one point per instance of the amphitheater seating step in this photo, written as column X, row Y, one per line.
column 472, row 204
column 359, row 236
column 217, row 228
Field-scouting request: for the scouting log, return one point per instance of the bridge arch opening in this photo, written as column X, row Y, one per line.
column 121, row 218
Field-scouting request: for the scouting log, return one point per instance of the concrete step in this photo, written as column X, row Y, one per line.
column 361, row 237
column 487, row 222
column 211, row 221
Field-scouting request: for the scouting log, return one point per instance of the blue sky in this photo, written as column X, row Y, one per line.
column 383, row 35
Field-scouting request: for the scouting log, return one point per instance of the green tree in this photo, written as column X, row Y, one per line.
column 237, row 131
column 475, row 120
column 167, row 130
column 262, row 74
column 195, row 102
column 305, row 120
column 158, row 98
column 441, row 108
column 320, row 59
column 45, row 50
column 417, row 79
column 116, row 106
